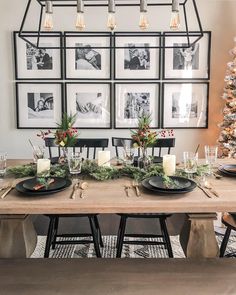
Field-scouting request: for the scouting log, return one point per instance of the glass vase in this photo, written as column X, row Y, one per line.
column 64, row 155
column 144, row 160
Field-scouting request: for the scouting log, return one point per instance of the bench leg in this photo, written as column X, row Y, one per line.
column 18, row 237
column 198, row 238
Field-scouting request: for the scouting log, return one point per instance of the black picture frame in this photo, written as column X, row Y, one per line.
column 88, row 85
column 176, row 67
column 138, row 74
column 83, row 36
column 21, row 104
column 197, row 108
column 154, row 108
column 34, row 74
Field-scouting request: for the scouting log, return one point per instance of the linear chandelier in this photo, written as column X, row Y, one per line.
column 177, row 26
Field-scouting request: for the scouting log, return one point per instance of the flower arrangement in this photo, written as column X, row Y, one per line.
column 143, row 137
column 65, row 135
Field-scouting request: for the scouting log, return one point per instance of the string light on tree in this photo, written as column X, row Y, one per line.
column 227, row 139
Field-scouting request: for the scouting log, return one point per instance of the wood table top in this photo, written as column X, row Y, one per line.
column 110, row 197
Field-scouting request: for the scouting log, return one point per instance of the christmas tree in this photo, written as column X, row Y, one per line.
column 227, row 139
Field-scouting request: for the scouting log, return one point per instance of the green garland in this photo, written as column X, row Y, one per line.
column 91, row 169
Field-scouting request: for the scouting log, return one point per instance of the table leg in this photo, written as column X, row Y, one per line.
column 197, row 236
column 18, row 237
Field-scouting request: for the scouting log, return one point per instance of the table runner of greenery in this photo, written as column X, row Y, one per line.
column 91, row 169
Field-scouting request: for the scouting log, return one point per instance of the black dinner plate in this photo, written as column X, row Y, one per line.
column 58, row 183
column 181, row 183
column 226, row 172
column 20, row 188
column 146, row 185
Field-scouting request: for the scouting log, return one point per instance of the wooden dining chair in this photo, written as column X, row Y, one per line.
column 90, row 147
column 229, row 220
column 163, row 238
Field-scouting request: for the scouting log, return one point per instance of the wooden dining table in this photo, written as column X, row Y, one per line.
column 18, row 237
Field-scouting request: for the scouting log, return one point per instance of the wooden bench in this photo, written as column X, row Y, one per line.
column 117, row 276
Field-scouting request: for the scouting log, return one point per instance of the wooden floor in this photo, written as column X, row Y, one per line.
column 117, row 276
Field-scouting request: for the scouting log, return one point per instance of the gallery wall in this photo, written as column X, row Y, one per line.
column 213, row 16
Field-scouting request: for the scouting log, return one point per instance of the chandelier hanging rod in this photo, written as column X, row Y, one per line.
column 104, row 3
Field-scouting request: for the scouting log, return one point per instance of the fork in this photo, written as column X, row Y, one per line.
column 75, row 188
column 127, row 189
column 208, row 185
column 7, row 191
column 136, row 187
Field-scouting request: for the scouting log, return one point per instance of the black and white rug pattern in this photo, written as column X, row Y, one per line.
column 129, row 251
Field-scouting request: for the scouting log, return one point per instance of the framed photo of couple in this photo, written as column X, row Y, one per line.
column 91, row 102
column 185, row 105
column 137, row 56
column 38, row 104
column 87, row 56
column 187, row 63
column 132, row 100
column 44, row 63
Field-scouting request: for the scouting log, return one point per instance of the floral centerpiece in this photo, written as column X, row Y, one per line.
column 65, row 134
column 144, row 137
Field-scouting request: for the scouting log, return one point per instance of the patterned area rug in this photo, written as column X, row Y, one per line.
column 129, row 251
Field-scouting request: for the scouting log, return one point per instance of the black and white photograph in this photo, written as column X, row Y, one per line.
column 187, row 63
column 133, row 100
column 186, row 58
column 89, row 105
column 38, row 59
column 91, row 102
column 88, row 56
column 136, row 105
column 39, row 105
column 38, row 63
column 185, row 105
column 186, row 109
column 136, row 56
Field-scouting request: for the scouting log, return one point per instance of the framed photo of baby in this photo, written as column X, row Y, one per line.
column 38, row 63
column 183, row 62
column 137, row 56
column 88, row 56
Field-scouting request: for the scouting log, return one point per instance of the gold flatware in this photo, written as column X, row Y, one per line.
column 7, row 191
column 204, row 190
column 127, row 189
column 83, row 186
column 208, row 186
column 4, row 187
column 217, row 176
column 75, row 188
column 136, row 187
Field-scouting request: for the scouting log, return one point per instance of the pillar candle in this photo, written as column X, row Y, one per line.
column 169, row 164
column 104, row 158
column 43, row 165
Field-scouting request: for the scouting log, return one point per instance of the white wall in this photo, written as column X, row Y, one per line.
column 217, row 16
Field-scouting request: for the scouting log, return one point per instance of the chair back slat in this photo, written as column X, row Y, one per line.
column 83, row 144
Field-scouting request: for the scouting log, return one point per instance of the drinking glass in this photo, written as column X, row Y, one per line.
column 190, row 162
column 128, row 155
column 3, row 164
column 38, row 153
column 211, row 156
column 75, row 163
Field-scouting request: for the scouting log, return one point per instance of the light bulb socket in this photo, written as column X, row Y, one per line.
column 111, row 6
column 49, row 7
column 175, row 5
column 143, row 5
column 80, row 6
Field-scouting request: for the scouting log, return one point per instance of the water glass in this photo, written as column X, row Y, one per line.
column 211, row 156
column 190, row 162
column 128, row 155
column 75, row 163
column 38, row 153
column 3, row 164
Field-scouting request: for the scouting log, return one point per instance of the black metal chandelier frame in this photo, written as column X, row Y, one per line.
column 192, row 37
